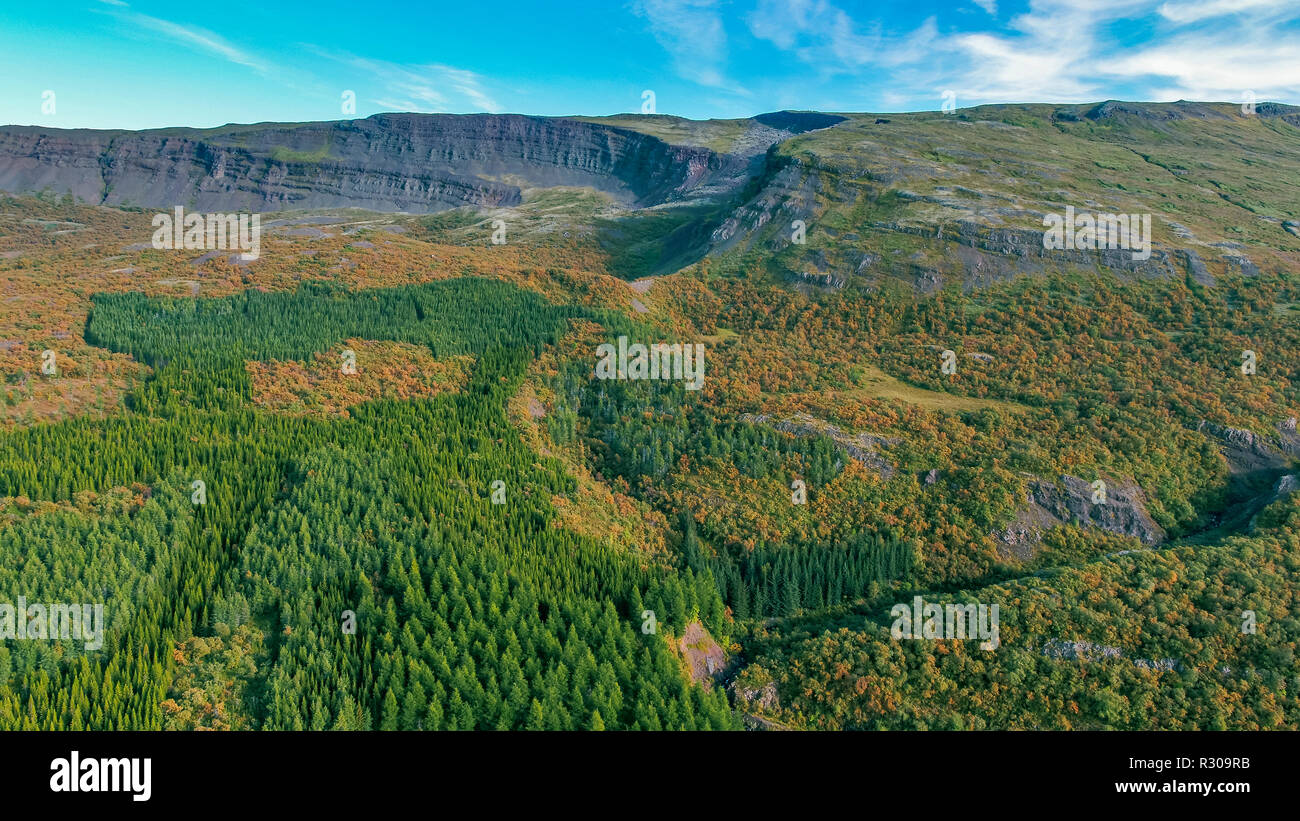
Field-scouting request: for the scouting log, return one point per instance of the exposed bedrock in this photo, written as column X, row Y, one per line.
column 391, row 162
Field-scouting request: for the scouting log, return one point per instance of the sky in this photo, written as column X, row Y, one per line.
column 145, row 64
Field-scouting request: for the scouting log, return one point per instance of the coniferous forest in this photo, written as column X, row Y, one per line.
column 359, row 566
column 934, row 475
column 418, row 398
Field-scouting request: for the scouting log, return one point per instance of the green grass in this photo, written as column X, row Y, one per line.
column 1222, row 176
column 715, row 135
column 288, row 155
column 658, row 241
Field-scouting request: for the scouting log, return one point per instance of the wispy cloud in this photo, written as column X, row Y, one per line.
column 433, row 87
column 1046, row 53
column 429, row 88
column 817, row 31
column 692, row 32
column 828, row 38
column 1199, row 68
column 1204, row 50
column 189, row 36
column 468, row 84
column 202, row 38
column 1192, row 11
column 1057, row 50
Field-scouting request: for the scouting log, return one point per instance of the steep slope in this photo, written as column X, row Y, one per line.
column 389, row 162
column 923, row 199
column 927, row 198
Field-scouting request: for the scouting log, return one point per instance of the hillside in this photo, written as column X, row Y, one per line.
column 417, row 163
column 918, row 399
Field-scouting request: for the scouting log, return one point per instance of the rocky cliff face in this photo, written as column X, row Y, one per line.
column 1248, row 452
column 1070, row 500
column 390, row 162
column 827, row 201
column 862, row 447
column 1124, row 510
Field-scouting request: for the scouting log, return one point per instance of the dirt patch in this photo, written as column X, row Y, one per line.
column 210, row 255
column 704, row 657
column 310, row 233
column 193, row 284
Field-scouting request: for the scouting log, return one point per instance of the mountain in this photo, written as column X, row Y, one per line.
column 384, row 474
column 922, row 199
column 930, row 199
column 416, row 163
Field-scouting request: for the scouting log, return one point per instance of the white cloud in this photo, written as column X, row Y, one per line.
column 1192, row 11
column 190, row 36
column 432, row 87
column 1200, row 68
column 467, row 83
column 429, row 88
column 820, row 33
column 691, row 31
column 1056, row 50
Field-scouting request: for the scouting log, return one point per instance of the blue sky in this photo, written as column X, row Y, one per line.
column 145, row 64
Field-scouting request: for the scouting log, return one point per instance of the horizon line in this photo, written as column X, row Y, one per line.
column 1234, row 104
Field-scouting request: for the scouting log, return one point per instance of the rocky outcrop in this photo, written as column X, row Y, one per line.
column 1025, row 247
column 1195, row 266
column 1287, row 485
column 390, row 162
column 785, row 192
column 1282, row 488
column 1091, row 651
column 1286, row 113
column 1249, row 452
column 1069, row 500
column 755, row 693
column 1181, row 110
column 1289, row 437
column 861, row 447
